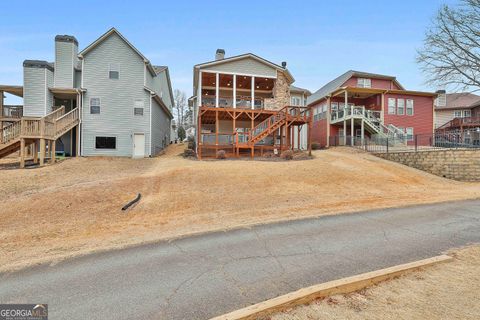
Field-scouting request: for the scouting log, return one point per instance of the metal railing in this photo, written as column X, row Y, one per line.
column 421, row 142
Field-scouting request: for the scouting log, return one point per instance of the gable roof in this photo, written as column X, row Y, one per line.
column 463, row 100
column 160, row 69
column 243, row 56
column 105, row 36
column 337, row 82
column 301, row 90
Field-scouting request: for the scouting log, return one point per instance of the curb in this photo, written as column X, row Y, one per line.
column 340, row 286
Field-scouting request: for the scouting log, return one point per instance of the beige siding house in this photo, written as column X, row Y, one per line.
column 453, row 105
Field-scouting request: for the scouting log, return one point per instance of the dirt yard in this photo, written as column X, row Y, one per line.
column 444, row 291
column 73, row 207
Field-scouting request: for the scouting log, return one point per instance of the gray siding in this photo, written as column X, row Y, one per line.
column 117, row 98
column 161, row 87
column 34, row 91
column 48, row 94
column 160, row 128
column 65, row 59
column 245, row 66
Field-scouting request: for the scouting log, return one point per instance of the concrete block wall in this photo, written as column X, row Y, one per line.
column 458, row 164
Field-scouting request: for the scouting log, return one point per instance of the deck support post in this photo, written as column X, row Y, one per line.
column 329, row 106
column 298, row 137
column 53, row 150
column 22, row 153
column 363, row 132
column 199, row 134
column 42, row 151
column 345, row 108
column 35, row 152
column 77, row 137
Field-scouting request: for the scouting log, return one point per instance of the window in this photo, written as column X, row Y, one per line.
column 457, row 113
column 94, row 105
column 467, row 113
column 295, row 101
column 391, row 105
column 409, row 107
column 409, row 132
column 364, row 83
column 105, row 142
column 334, row 106
column 114, row 72
column 138, row 108
column 401, row 107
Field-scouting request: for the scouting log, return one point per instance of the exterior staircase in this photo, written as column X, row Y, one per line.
column 50, row 127
column 373, row 124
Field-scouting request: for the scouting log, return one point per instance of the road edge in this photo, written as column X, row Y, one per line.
column 339, row 286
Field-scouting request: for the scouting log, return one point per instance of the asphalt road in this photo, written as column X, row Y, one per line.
column 204, row 276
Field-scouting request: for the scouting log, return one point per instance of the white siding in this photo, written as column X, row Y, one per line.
column 117, row 97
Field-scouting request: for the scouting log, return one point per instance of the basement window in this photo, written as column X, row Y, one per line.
column 105, row 142
column 114, row 72
column 409, row 132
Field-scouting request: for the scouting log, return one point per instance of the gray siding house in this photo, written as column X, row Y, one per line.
column 124, row 102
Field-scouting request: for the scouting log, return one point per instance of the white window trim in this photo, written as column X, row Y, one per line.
column 406, row 107
column 412, row 133
column 394, row 106
column 364, row 83
column 117, row 69
column 398, row 108
column 95, row 105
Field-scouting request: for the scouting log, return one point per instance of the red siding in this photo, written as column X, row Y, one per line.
column 319, row 132
column 422, row 119
column 376, row 83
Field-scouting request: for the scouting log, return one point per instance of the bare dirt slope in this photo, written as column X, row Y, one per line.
column 445, row 291
column 73, row 207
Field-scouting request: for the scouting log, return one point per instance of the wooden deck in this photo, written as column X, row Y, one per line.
column 263, row 123
column 36, row 132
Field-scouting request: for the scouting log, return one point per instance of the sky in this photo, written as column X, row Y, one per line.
column 318, row 39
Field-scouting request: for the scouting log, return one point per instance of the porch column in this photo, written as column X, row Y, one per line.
column 217, row 88
column 234, row 91
column 363, row 128
column 352, row 127
column 253, row 92
column 345, row 119
column 199, row 90
column 382, row 115
column 329, row 116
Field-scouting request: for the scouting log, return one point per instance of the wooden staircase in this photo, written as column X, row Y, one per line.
column 268, row 126
column 31, row 129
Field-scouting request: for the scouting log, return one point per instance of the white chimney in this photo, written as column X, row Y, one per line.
column 220, row 54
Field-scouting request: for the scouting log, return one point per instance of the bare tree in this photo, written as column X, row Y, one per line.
column 450, row 55
column 180, row 106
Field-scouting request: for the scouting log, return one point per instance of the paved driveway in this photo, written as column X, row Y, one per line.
column 204, row 276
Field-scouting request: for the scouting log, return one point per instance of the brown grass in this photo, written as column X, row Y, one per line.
column 73, row 207
column 444, row 291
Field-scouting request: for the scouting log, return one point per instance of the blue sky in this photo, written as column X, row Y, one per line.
column 319, row 39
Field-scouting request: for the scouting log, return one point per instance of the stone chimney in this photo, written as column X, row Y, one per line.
column 220, row 54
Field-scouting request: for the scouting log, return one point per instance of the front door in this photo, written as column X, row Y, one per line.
column 139, row 145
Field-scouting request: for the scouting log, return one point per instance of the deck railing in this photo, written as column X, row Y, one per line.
column 64, row 122
column 10, row 132
column 12, row 111
column 242, row 102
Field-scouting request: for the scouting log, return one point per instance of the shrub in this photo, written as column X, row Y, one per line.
column 316, row 146
column 268, row 155
column 221, row 154
column 189, row 153
column 287, row 155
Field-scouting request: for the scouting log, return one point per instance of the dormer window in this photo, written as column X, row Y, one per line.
column 364, row 83
column 114, row 72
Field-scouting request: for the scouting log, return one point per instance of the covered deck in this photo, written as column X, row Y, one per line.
column 10, row 113
column 249, row 132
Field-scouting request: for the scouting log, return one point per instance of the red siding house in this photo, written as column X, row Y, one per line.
column 358, row 106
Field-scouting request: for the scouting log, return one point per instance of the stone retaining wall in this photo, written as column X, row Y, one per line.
column 458, row 164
